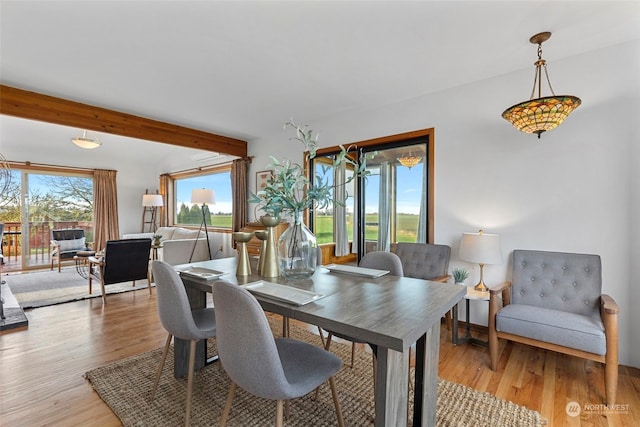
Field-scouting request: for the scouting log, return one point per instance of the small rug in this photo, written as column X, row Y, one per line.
column 125, row 386
column 43, row 288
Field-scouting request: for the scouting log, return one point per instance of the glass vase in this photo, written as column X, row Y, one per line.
column 297, row 250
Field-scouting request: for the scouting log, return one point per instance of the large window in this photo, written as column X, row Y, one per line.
column 217, row 215
column 393, row 204
column 38, row 200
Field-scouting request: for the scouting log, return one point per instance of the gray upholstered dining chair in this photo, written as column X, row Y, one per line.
column 380, row 260
column 180, row 321
column 271, row 368
column 426, row 261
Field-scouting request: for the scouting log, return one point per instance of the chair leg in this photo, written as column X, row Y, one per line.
column 279, row 422
column 321, row 336
column 353, row 353
column 336, row 401
column 164, row 358
column 447, row 317
column 104, row 291
column 227, row 405
column 326, row 347
column 192, row 363
column 149, row 282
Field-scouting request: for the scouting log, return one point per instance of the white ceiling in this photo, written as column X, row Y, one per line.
column 242, row 68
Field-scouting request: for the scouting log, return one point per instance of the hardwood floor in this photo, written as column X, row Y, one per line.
column 42, row 367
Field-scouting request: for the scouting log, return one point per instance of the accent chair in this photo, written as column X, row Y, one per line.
column 555, row 301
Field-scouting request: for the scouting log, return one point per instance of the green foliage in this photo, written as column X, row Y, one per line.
column 288, row 190
column 459, row 274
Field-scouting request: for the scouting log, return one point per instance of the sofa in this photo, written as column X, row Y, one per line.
column 177, row 244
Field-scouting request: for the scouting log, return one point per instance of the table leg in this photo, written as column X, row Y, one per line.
column 392, row 387
column 425, row 399
column 454, row 327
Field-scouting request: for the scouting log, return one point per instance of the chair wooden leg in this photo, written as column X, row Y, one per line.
column 192, row 363
column 447, row 317
column 285, row 326
column 353, row 353
column 336, row 401
column 164, row 358
column 321, row 336
column 104, row 291
column 326, row 347
column 227, row 405
column 149, row 282
column 279, row 421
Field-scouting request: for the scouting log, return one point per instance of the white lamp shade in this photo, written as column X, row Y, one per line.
column 152, row 200
column 203, row 196
column 481, row 248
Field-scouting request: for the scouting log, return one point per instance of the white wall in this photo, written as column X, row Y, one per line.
column 574, row 190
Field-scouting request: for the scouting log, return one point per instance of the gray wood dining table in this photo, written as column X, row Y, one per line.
column 390, row 312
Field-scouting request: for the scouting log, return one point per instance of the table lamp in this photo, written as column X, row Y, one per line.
column 206, row 197
column 481, row 248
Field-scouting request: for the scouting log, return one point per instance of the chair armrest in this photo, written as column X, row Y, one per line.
column 55, row 244
column 608, row 305
column 441, row 279
column 500, row 288
column 94, row 260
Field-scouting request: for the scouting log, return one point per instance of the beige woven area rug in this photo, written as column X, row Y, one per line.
column 125, row 386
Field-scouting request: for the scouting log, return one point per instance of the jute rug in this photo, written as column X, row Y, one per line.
column 125, row 386
column 42, row 288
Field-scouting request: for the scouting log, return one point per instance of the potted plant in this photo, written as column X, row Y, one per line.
column 289, row 191
column 156, row 239
column 460, row 275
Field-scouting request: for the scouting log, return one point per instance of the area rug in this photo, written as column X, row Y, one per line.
column 125, row 386
column 42, row 288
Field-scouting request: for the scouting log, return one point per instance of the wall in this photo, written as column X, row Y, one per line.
column 574, row 190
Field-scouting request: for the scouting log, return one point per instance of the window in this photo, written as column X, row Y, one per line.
column 396, row 199
column 217, row 215
column 38, row 200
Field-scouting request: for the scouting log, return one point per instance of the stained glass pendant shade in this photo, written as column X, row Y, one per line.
column 538, row 115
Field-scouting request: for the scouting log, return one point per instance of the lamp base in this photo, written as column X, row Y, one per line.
column 481, row 287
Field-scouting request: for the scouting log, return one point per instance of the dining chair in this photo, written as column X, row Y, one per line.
column 380, row 260
column 180, row 321
column 271, row 368
column 426, row 261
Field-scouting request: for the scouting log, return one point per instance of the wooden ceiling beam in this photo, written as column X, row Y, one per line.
column 35, row 106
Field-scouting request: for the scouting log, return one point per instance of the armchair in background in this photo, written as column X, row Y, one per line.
column 554, row 301
column 65, row 244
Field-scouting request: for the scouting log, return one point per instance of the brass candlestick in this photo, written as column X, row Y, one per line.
column 262, row 235
column 241, row 238
column 270, row 266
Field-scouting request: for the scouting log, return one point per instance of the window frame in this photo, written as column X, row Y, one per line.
column 202, row 171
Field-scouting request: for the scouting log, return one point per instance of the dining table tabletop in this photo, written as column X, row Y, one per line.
column 392, row 313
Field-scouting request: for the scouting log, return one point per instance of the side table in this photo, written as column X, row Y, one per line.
column 471, row 294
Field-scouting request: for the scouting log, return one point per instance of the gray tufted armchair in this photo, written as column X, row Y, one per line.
column 554, row 301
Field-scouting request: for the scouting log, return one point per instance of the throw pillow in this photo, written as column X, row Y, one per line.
column 71, row 245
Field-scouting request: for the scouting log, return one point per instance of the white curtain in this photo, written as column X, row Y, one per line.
column 422, row 219
column 384, row 205
column 340, row 211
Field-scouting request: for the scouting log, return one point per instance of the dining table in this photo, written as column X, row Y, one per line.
column 392, row 313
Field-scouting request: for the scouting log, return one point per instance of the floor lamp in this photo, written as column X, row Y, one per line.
column 206, row 197
column 151, row 202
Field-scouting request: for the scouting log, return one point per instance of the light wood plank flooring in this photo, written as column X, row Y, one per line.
column 42, row 367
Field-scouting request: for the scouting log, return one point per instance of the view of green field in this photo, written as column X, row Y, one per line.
column 406, row 230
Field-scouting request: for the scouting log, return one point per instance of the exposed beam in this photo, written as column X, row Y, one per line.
column 32, row 105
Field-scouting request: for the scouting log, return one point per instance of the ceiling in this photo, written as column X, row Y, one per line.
column 242, row 68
